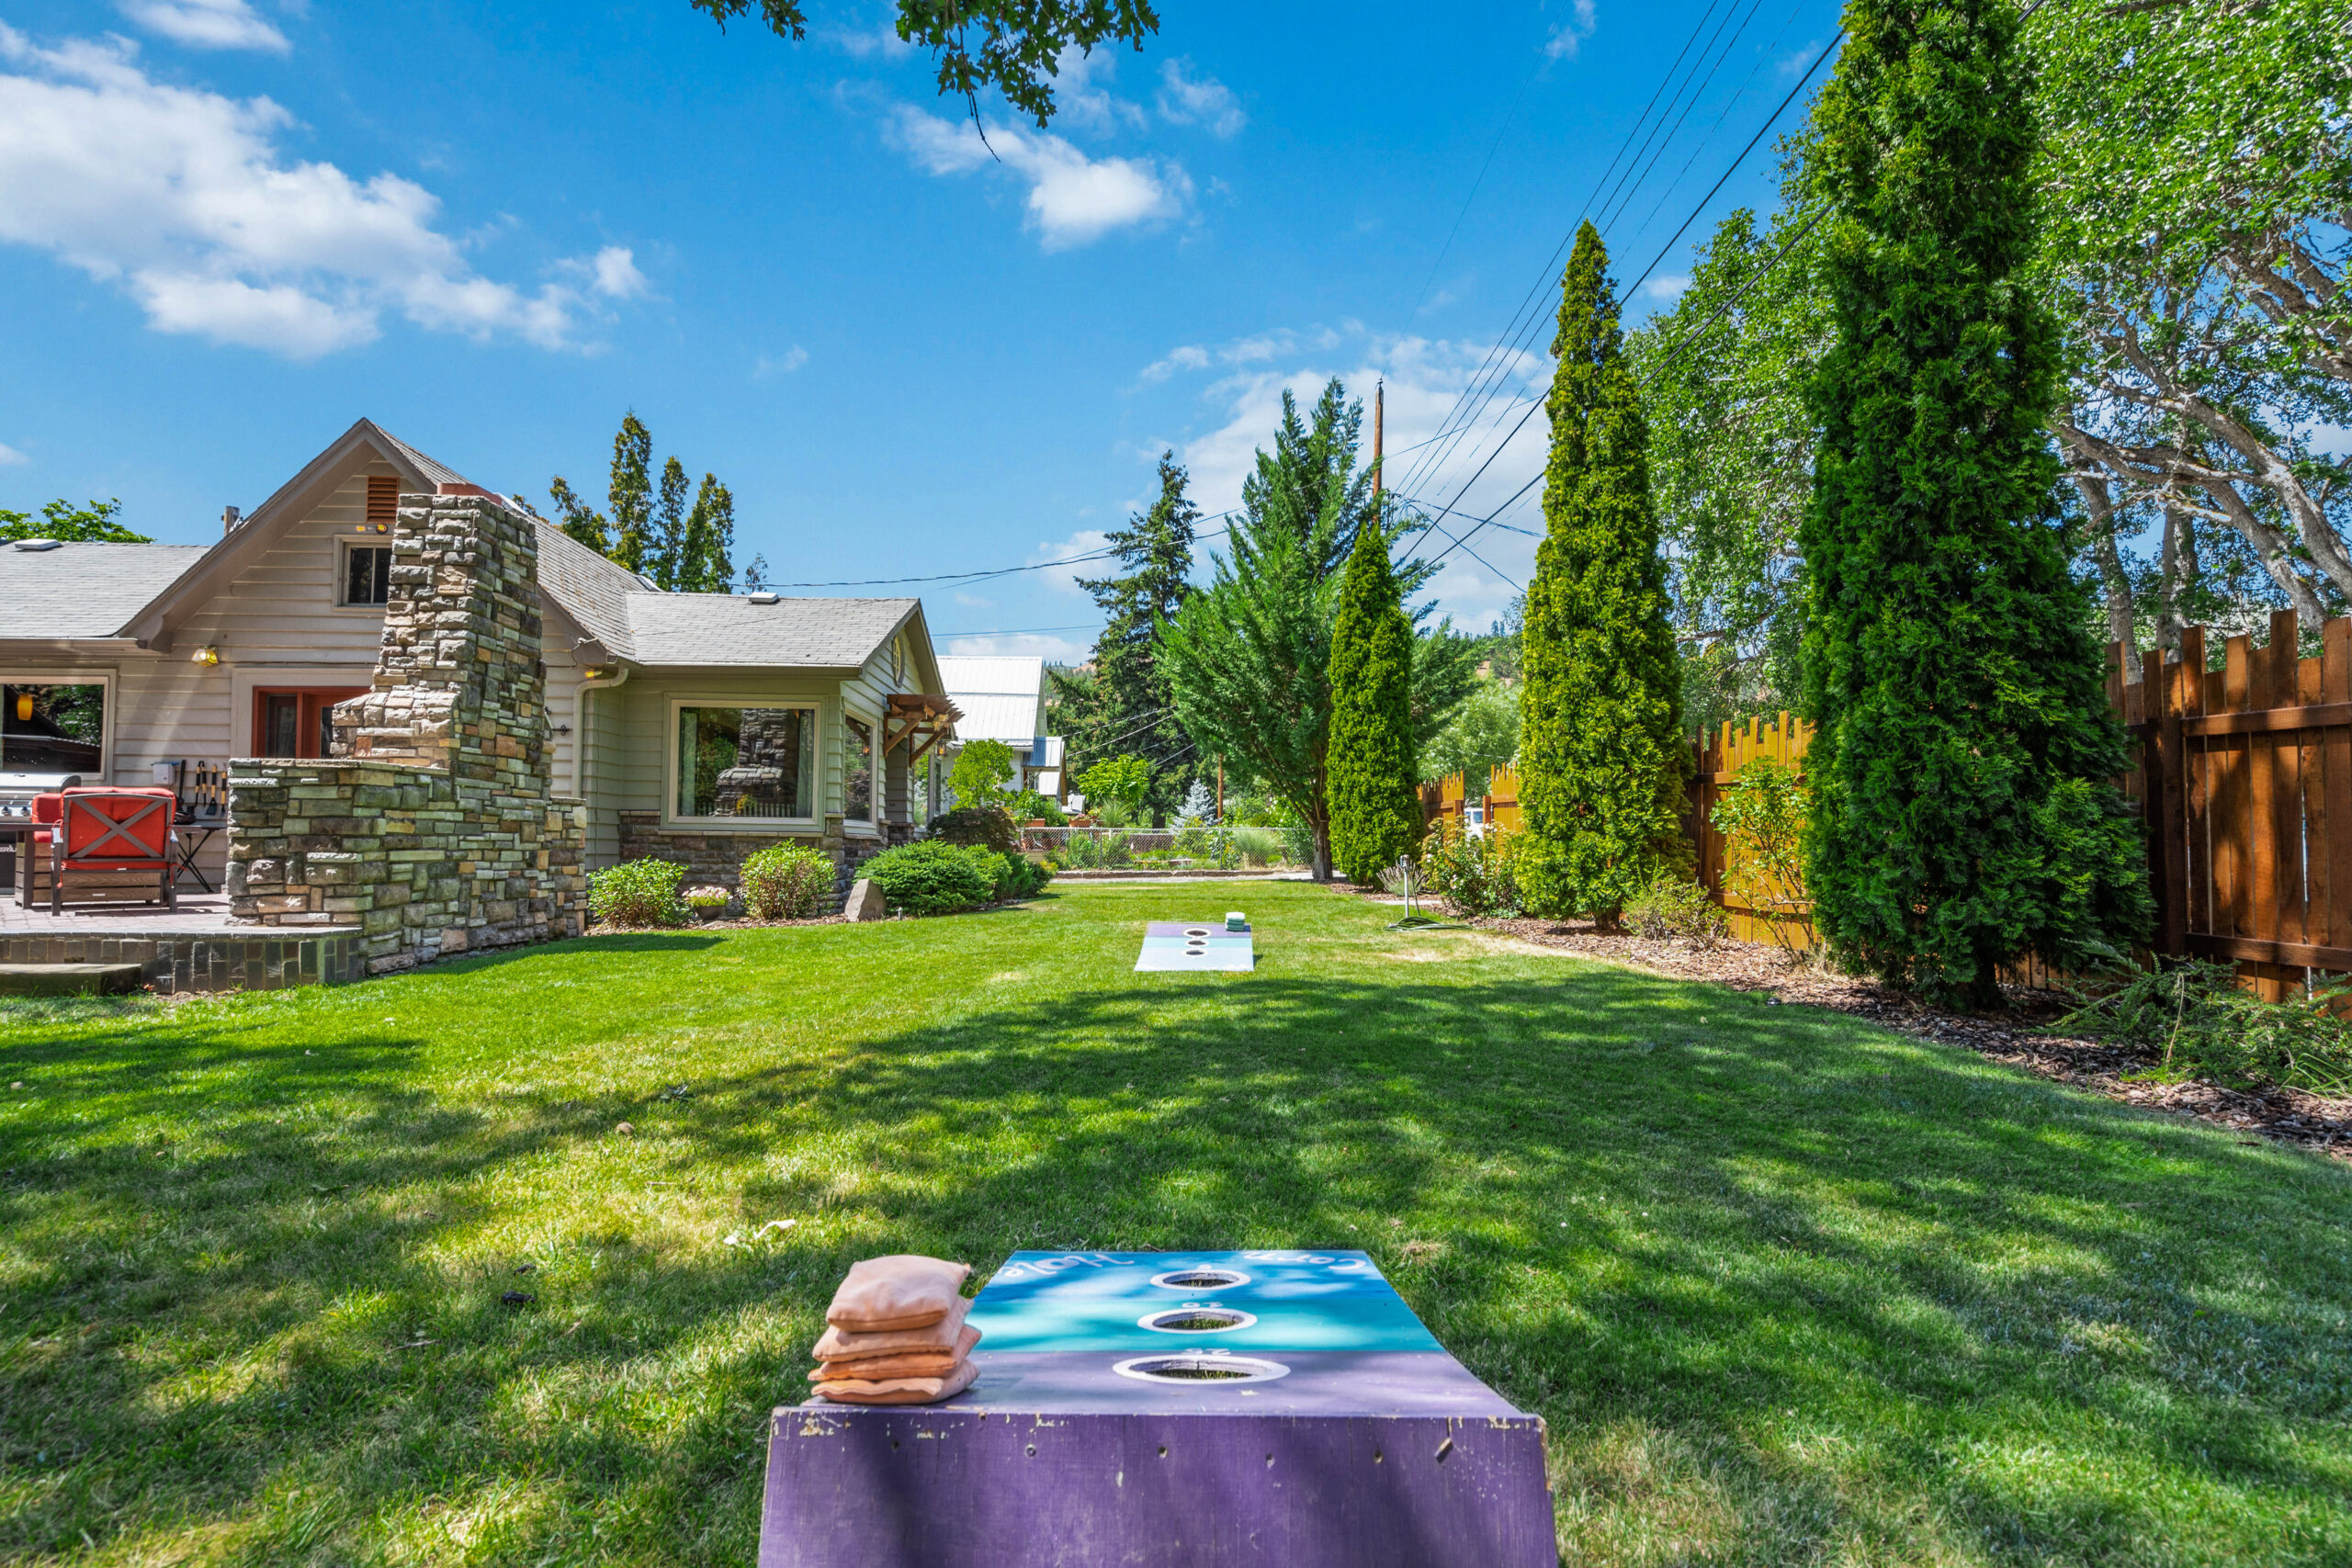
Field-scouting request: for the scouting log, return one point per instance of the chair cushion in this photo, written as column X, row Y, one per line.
column 48, row 807
column 118, row 827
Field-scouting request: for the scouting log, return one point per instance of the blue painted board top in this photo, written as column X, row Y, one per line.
column 1330, row 1300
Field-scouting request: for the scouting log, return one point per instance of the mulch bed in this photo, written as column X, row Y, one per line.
column 2015, row 1038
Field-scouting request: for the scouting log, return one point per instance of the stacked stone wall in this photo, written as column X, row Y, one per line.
column 435, row 828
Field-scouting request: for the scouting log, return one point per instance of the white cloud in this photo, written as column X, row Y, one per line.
column 1204, row 102
column 1085, row 542
column 1073, row 199
column 1082, row 96
column 1191, row 356
column 183, row 199
column 783, row 364
column 1424, row 377
column 972, row 600
column 1569, row 36
column 870, row 43
column 10, row 457
column 1052, row 650
column 207, row 23
column 1667, row 288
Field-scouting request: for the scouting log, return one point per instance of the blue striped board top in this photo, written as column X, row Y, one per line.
column 1293, row 1301
column 1196, row 944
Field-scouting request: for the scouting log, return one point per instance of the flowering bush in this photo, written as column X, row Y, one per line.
column 785, row 882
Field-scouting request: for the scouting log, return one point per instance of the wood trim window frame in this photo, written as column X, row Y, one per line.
column 671, row 819
column 312, row 700
column 868, row 826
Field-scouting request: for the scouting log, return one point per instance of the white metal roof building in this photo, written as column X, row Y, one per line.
column 1003, row 697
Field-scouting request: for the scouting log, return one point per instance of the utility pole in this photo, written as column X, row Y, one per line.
column 1379, row 418
column 1220, row 789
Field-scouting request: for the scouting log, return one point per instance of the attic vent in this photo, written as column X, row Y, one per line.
column 37, row 543
column 763, row 598
column 383, row 502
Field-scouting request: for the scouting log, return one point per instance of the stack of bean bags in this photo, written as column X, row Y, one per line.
column 895, row 1334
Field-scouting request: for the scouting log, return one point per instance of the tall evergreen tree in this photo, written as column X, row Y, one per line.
column 1958, row 816
column 707, row 545
column 630, row 495
column 1131, row 709
column 1375, row 809
column 665, row 552
column 1603, row 765
column 687, row 549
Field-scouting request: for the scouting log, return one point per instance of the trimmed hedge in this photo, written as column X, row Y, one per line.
column 935, row 877
column 639, row 893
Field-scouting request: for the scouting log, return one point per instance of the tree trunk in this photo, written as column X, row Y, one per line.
column 2121, row 625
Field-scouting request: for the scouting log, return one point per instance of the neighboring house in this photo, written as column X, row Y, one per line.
column 695, row 726
column 1003, row 697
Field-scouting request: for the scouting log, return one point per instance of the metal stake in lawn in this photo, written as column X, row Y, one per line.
column 1404, row 879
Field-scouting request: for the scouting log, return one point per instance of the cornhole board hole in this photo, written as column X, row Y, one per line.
column 1174, row 1410
column 1197, row 944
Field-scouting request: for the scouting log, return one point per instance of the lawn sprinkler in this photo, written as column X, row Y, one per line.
column 1404, row 880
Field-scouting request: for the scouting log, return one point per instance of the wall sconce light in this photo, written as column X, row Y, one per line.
column 23, row 708
column 207, row 654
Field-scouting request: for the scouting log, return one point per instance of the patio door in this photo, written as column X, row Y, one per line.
column 297, row 721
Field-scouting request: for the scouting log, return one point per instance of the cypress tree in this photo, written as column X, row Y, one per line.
column 1603, row 765
column 1958, row 816
column 630, row 495
column 1375, row 810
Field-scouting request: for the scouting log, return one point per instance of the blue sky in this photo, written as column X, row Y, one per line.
column 230, row 227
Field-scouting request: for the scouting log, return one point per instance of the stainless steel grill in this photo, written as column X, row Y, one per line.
column 16, row 790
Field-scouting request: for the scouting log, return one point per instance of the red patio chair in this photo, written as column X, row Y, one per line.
column 113, row 839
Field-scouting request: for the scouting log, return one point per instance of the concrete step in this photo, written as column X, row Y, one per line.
column 67, row 979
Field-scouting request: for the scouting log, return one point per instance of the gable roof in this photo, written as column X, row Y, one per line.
column 592, row 591
column 84, row 590
column 1001, row 696
column 730, row 628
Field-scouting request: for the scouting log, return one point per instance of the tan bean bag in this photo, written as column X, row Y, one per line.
column 903, row 1291
column 900, row 1391
column 840, row 1345
column 907, row 1364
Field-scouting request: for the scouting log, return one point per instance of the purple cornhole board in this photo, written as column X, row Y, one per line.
column 1357, row 1443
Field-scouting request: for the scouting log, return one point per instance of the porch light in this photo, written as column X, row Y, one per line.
column 207, row 654
column 23, row 708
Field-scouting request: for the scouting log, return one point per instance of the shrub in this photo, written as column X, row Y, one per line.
column 1259, row 846
column 2209, row 1026
column 785, row 882
column 1097, row 852
column 1476, row 874
column 639, row 893
column 1674, row 905
column 991, row 827
column 983, row 770
column 1762, row 812
column 933, row 877
column 1032, row 808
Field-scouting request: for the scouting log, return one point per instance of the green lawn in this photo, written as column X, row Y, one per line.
column 1788, row 1289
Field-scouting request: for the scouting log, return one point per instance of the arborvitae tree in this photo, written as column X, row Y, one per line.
column 1960, row 817
column 1604, row 764
column 1375, row 809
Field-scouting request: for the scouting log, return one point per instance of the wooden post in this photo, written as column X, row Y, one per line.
column 1379, row 417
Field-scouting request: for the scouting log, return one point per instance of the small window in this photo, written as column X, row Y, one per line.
column 366, row 574
column 858, row 771
column 747, row 762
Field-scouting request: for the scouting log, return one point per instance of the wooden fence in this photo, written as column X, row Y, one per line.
column 2245, row 784
column 1719, row 762
column 1497, row 808
column 2243, row 778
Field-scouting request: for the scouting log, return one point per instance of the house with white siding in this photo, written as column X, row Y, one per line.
column 1004, row 697
column 696, row 727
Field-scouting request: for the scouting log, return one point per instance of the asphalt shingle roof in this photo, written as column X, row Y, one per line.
column 84, row 590
column 592, row 591
column 726, row 628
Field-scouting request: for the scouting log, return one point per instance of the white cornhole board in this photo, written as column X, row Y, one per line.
column 1199, row 944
